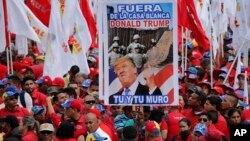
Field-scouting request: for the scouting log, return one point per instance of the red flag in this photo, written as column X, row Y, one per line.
column 86, row 11
column 41, row 8
column 188, row 18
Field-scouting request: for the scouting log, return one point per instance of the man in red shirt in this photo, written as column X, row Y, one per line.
column 213, row 103
column 11, row 107
column 39, row 99
column 174, row 116
column 196, row 101
column 72, row 110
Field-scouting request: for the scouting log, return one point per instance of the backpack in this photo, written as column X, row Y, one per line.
column 22, row 99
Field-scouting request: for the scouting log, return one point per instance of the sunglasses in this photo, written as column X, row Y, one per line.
column 46, row 132
column 202, row 119
column 90, row 102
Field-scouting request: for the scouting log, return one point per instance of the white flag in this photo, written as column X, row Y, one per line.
column 57, row 51
column 18, row 20
column 82, row 35
column 75, row 25
column 238, row 71
column 21, row 45
column 2, row 33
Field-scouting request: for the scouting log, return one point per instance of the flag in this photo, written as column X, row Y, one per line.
column 2, row 30
column 187, row 17
column 86, row 11
column 18, row 20
column 239, row 24
column 238, row 71
column 21, row 44
column 82, row 36
column 41, row 8
column 77, row 27
column 57, row 51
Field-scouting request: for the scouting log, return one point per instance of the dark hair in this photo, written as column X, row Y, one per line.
column 203, row 114
column 15, row 79
column 215, row 100
column 74, row 69
column 70, row 92
column 232, row 111
column 186, row 120
column 65, row 130
column 213, row 116
column 156, row 115
column 12, row 121
column 55, row 98
column 129, row 132
column 27, row 78
column 201, row 96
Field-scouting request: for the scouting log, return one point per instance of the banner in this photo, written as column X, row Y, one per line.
column 140, row 52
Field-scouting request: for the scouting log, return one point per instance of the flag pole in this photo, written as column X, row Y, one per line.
column 182, row 51
column 7, row 34
column 237, row 55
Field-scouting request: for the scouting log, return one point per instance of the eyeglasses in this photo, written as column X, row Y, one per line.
column 90, row 102
column 202, row 119
column 46, row 132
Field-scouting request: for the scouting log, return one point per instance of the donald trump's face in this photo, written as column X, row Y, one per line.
column 126, row 72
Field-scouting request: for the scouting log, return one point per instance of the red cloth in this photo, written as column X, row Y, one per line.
column 173, row 124
column 189, row 114
column 39, row 99
column 80, row 127
column 30, row 136
column 107, row 130
column 37, row 70
column 222, row 125
column 41, row 9
column 56, row 119
column 3, row 71
column 86, row 11
column 188, row 18
column 18, row 112
column 163, row 125
column 245, row 115
column 213, row 134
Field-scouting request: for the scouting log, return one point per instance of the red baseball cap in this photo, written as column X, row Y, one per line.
column 73, row 103
column 58, row 81
column 44, row 80
column 96, row 112
column 218, row 89
column 152, row 127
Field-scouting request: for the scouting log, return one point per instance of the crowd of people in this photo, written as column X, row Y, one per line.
column 35, row 107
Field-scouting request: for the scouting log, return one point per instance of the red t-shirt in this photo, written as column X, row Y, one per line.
column 30, row 136
column 163, row 125
column 173, row 124
column 190, row 115
column 18, row 112
column 80, row 127
column 39, row 99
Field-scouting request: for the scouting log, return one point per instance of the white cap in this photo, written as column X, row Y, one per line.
column 46, row 127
